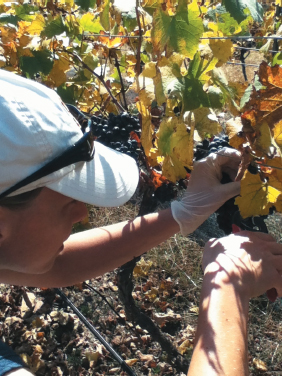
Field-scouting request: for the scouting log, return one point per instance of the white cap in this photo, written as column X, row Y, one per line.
column 35, row 127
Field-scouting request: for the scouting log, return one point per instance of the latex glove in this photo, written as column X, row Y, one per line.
column 205, row 194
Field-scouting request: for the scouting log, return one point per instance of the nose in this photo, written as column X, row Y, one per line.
column 79, row 211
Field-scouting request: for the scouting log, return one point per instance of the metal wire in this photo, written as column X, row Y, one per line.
column 205, row 38
column 246, row 65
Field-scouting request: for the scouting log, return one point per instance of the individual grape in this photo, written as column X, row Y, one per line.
column 213, row 150
column 123, row 132
column 253, row 169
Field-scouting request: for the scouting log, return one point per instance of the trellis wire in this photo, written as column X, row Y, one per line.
column 246, row 65
column 205, row 38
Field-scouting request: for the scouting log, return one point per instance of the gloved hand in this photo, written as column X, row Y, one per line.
column 205, row 194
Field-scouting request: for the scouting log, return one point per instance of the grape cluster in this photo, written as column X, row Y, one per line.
column 206, row 147
column 115, row 132
column 166, row 192
column 218, row 143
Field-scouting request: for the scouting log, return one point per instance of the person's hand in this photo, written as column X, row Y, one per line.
column 251, row 261
column 205, row 194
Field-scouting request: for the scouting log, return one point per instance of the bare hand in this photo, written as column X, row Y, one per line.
column 251, row 261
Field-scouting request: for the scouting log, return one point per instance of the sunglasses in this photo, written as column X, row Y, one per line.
column 82, row 151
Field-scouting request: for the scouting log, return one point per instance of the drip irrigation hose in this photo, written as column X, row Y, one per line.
column 94, row 331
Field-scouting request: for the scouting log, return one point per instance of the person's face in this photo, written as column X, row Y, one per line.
column 32, row 237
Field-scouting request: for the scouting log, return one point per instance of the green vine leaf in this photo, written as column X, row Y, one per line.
column 177, row 33
column 237, row 9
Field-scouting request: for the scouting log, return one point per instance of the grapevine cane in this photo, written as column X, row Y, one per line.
column 94, row 331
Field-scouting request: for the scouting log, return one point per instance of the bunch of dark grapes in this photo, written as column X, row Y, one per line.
column 206, row 147
column 218, row 143
column 115, row 132
column 202, row 150
column 166, row 192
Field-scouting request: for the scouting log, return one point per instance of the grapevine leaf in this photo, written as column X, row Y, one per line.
column 237, row 9
column 175, row 144
column 222, row 49
column 9, row 19
column 149, row 70
column 57, row 75
column 25, row 12
column 257, row 196
column 172, row 169
column 233, row 127
column 178, row 33
column 264, row 138
column 278, row 134
column 92, row 62
column 150, row 5
column 206, row 122
column 113, row 42
column 256, row 85
column 228, row 25
column 268, row 100
column 129, row 20
column 56, row 27
column 168, row 70
column 105, row 15
column 41, row 62
column 37, row 25
column 143, row 107
column 277, row 59
column 85, row 4
column 90, row 23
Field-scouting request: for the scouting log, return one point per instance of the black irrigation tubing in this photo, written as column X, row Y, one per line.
column 109, row 304
column 94, row 331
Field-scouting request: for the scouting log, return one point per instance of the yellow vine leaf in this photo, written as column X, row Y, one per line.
column 257, row 196
column 57, row 74
column 36, row 26
column 149, row 70
column 113, row 42
column 175, row 144
column 278, row 134
column 143, row 105
column 233, row 127
column 172, row 169
column 264, row 138
column 206, row 122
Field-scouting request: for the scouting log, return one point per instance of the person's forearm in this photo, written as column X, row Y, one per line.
column 221, row 340
column 91, row 253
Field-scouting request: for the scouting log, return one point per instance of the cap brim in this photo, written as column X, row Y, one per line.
column 109, row 180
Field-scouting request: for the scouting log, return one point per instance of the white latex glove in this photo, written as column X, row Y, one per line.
column 205, row 194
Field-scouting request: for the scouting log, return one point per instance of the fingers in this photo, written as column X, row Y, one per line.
column 229, row 190
column 257, row 235
column 226, row 156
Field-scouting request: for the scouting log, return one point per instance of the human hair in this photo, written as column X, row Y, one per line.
column 20, row 201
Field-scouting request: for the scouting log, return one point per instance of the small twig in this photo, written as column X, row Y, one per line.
column 117, row 65
column 100, row 78
column 275, row 351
